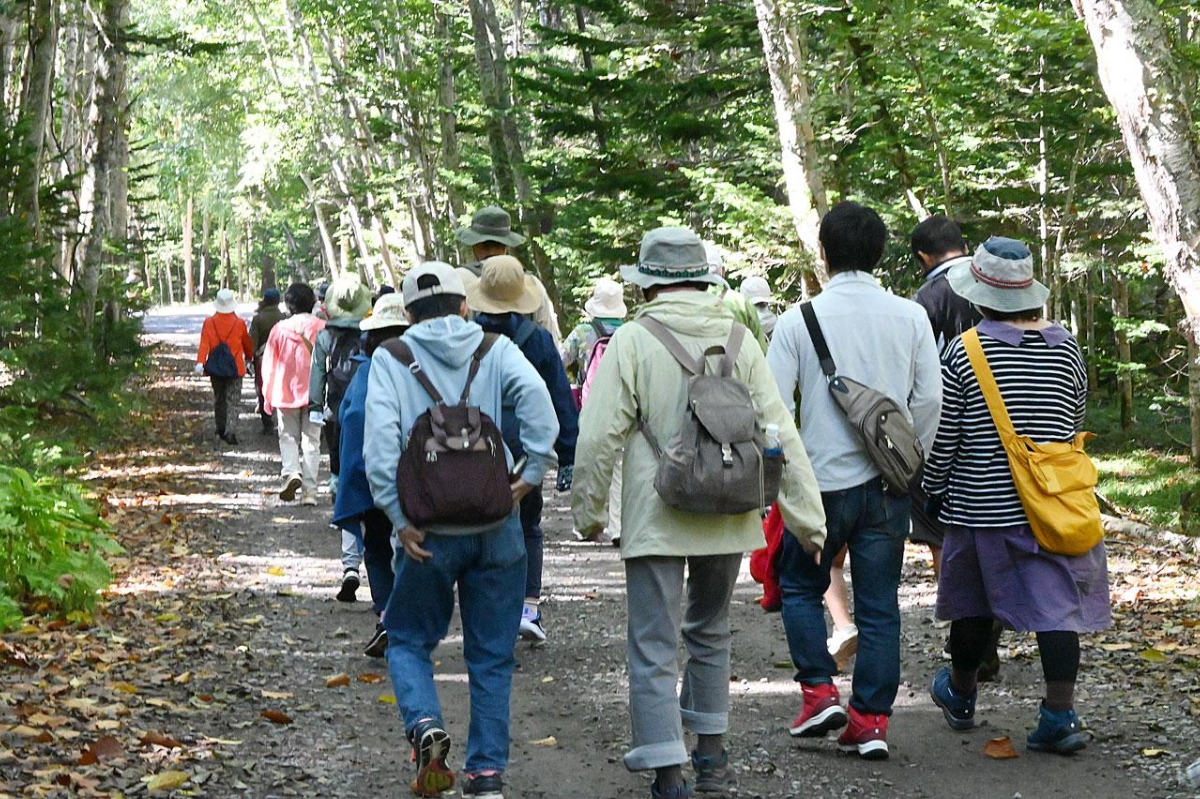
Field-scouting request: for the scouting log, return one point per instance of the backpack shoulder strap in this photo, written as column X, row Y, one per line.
column 524, row 330
column 818, row 339
column 401, row 352
column 484, row 348
column 733, row 346
column 665, row 337
column 987, row 383
column 598, row 326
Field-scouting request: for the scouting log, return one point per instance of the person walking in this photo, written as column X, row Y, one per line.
column 992, row 566
column 738, row 305
column 884, row 342
column 483, row 561
column 225, row 370
column 641, row 386
column 265, row 318
column 287, row 366
column 757, row 292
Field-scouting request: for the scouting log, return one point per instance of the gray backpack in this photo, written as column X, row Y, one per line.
column 715, row 464
column 881, row 424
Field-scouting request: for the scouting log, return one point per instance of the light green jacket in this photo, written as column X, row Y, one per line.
column 638, row 372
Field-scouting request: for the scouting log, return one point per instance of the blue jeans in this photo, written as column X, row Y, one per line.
column 874, row 525
column 489, row 570
column 378, row 555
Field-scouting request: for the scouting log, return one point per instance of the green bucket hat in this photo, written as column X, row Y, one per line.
column 670, row 255
column 347, row 298
column 489, row 224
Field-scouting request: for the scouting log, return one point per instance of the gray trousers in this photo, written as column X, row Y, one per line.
column 227, row 403
column 655, row 590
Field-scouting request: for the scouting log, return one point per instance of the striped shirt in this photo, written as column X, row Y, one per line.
column 1043, row 381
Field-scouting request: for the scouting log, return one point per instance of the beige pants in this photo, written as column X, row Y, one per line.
column 299, row 445
column 614, row 501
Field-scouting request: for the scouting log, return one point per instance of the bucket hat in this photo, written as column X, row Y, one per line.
column 225, row 301
column 756, row 290
column 347, row 298
column 608, row 300
column 503, row 287
column 489, row 224
column 999, row 277
column 670, row 255
column 446, row 281
column 388, row 312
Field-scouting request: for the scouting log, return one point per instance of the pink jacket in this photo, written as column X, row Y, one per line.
column 287, row 362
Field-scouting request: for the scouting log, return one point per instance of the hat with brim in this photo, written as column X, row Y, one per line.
column 607, row 301
column 388, row 312
column 347, row 298
column 670, row 255
column 489, row 224
column 225, row 302
column 503, row 287
column 999, row 277
column 439, row 278
column 756, row 290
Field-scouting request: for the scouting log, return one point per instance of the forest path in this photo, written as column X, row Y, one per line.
column 228, row 612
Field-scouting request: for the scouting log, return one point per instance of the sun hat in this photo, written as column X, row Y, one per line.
column 271, row 297
column 489, row 224
column 388, row 312
column 756, row 290
column 999, row 277
column 715, row 258
column 447, row 282
column 503, row 287
column 225, row 302
column 670, row 255
column 347, row 298
column 608, row 300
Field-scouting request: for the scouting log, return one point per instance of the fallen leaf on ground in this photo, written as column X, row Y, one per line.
column 159, row 739
column 388, row 699
column 547, row 741
column 337, row 681
column 1155, row 752
column 276, row 695
column 166, row 780
column 276, row 716
column 105, row 748
column 370, row 679
column 1000, row 749
column 1153, row 656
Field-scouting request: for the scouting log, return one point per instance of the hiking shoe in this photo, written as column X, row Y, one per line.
column 309, row 498
column 866, row 734
column 822, row 712
column 291, row 484
column 842, row 645
column 230, row 439
column 377, row 646
column 488, row 785
column 680, row 791
column 958, row 710
column 1058, row 731
column 531, row 626
column 431, row 744
column 712, row 773
column 350, row 584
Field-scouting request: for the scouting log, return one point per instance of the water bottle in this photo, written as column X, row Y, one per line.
column 773, row 448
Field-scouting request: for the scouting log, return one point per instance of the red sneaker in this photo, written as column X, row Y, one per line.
column 867, row 735
column 822, row 712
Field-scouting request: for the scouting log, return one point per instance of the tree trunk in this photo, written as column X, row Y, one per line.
column 502, row 169
column 1193, row 356
column 1120, row 309
column 205, row 236
column 36, row 109
column 189, row 285
column 1147, row 87
column 447, row 116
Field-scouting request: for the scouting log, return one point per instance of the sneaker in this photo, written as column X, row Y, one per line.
column 431, row 744
column 291, row 484
column 531, row 625
column 822, row 712
column 230, row 439
column 1058, row 731
column 309, row 498
column 377, row 646
column 712, row 773
column 680, row 791
column 488, row 785
column 350, row 584
column 866, row 734
column 958, row 710
column 842, row 645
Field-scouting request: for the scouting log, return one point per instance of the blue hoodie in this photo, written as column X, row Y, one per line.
column 354, row 492
column 443, row 347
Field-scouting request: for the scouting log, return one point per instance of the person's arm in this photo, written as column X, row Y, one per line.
column 206, row 341
column 1081, row 383
column 382, row 435
column 546, row 316
column 247, row 344
column 946, row 444
column 523, row 390
column 784, row 361
column 270, row 357
column 320, row 366
column 555, row 377
column 925, row 402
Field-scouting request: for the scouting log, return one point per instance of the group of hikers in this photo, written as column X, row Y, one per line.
column 704, row 428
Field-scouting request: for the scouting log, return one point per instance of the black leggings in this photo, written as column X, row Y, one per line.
column 1059, row 649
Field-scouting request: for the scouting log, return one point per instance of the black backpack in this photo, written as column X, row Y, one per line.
column 220, row 361
column 342, row 366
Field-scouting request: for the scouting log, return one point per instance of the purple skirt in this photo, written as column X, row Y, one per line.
column 1002, row 573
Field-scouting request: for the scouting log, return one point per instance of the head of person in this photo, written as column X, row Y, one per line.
column 715, row 259
column 490, row 233
column 757, row 291
column 853, row 238
column 432, row 290
column 937, row 239
column 607, row 301
column 299, row 298
column 322, row 290
column 503, row 287
column 999, row 281
column 387, row 321
column 225, row 301
column 347, row 298
column 270, row 297
column 384, row 289
column 671, row 259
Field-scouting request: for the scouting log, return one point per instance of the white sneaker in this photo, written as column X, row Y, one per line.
column 842, row 645
column 309, row 498
column 531, row 625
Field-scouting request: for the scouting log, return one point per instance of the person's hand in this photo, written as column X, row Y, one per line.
column 933, row 505
column 412, row 538
column 200, row 369
column 811, row 548
column 317, row 418
column 566, row 476
column 519, row 489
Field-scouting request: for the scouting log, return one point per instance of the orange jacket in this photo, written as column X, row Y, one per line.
column 230, row 328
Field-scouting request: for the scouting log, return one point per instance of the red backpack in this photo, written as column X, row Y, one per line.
column 592, row 362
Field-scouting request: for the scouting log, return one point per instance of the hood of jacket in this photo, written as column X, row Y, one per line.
column 449, row 340
column 690, row 313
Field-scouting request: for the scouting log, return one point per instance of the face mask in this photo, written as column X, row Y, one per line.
column 766, row 318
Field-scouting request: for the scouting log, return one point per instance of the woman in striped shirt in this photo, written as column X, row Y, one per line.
column 992, row 568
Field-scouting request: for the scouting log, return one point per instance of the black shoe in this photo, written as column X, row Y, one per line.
column 350, row 584
column 377, row 646
column 230, row 438
column 483, row 786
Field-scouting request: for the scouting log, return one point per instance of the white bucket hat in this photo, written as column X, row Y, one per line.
column 388, row 312
column 608, row 300
column 225, row 301
column 756, row 290
column 999, row 277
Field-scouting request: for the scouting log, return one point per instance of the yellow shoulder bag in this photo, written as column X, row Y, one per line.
column 1056, row 481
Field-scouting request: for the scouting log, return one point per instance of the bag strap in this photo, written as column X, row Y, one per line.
column 525, row 329
column 400, row 351
column 598, row 326
column 987, row 384
column 484, row 347
column 737, row 334
column 818, row 339
column 665, row 337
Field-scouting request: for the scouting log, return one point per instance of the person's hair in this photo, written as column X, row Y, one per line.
column 300, row 298
column 695, row 285
column 380, row 335
column 490, row 248
column 853, row 236
column 1027, row 315
column 435, row 305
column 937, row 236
